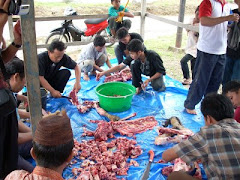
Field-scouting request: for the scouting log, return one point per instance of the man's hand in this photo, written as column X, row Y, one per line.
column 234, row 17
column 99, row 75
column 121, row 13
column 17, row 33
column 77, row 86
column 145, row 84
column 56, row 94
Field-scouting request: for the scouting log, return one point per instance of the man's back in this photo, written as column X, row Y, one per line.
column 218, row 148
column 223, row 141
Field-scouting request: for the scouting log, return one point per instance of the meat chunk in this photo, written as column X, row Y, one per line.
column 123, row 75
column 103, row 163
column 136, row 126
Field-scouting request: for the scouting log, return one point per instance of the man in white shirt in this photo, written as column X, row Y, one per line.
column 93, row 56
column 211, row 55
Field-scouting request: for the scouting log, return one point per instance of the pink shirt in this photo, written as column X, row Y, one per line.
column 39, row 173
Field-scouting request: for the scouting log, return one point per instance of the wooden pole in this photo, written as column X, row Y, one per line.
column 143, row 17
column 31, row 64
column 180, row 19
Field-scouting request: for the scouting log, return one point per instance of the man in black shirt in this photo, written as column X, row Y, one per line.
column 51, row 76
column 124, row 38
column 142, row 61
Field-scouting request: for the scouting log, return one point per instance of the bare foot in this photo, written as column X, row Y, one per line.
column 85, row 77
column 191, row 111
column 138, row 90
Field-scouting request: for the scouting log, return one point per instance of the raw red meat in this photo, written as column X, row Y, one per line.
column 136, row 126
column 170, row 135
column 104, row 131
column 103, row 163
column 129, row 128
column 123, row 75
column 180, row 165
column 167, row 170
column 74, row 98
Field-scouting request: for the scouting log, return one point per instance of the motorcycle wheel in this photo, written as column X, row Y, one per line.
column 56, row 36
column 106, row 36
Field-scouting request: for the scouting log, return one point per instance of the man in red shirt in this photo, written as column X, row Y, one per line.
column 232, row 90
column 211, row 50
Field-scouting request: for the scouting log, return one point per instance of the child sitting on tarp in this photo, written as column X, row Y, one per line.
column 216, row 145
column 114, row 12
column 232, row 90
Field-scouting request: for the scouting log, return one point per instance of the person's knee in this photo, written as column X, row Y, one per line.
column 112, row 23
column 127, row 23
column 87, row 66
column 182, row 61
column 66, row 73
column 102, row 59
column 158, row 85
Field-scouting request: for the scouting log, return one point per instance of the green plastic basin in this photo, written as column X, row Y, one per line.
column 115, row 96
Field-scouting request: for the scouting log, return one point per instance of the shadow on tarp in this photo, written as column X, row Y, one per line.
column 162, row 105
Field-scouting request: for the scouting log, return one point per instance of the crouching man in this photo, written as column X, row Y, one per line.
column 52, row 149
column 93, row 56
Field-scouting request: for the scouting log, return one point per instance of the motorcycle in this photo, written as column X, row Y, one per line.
column 69, row 33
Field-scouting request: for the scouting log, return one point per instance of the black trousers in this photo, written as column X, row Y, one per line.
column 116, row 25
column 59, row 81
column 8, row 144
column 184, row 65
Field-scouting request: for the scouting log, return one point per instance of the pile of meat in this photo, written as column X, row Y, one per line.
column 102, row 160
column 172, row 135
column 106, row 130
column 81, row 108
column 175, row 135
column 87, row 105
column 180, row 165
column 123, row 75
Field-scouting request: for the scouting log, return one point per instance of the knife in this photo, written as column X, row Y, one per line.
column 66, row 97
column 146, row 172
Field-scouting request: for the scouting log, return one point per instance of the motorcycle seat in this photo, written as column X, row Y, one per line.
column 94, row 21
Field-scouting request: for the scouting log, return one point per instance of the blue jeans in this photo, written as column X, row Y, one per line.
column 232, row 70
column 208, row 75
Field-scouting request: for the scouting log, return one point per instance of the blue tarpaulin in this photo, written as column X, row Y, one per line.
column 161, row 105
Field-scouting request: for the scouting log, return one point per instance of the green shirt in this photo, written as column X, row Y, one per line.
column 114, row 12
